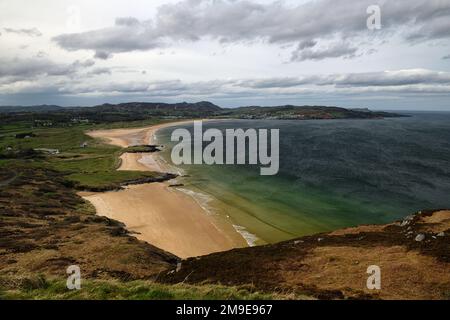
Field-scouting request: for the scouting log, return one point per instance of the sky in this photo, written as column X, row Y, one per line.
column 383, row 55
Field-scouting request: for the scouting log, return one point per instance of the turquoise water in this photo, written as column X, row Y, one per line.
column 333, row 174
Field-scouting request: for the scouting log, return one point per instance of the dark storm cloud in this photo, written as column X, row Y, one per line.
column 156, row 88
column 277, row 22
column 306, row 44
column 436, row 28
column 370, row 79
column 332, row 51
column 99, row 71
column 20, row 69
column 126, row 35
column 272, row 83
column 33, row 32
column 102, row 55
column 393, row 78
column 402, row 82
column 127, row 21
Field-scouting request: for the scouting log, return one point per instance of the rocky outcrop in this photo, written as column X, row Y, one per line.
column 142, row 149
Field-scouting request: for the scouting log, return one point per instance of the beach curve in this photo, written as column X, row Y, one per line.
column 157, row 213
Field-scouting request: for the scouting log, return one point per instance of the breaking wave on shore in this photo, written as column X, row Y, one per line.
column 250, row 238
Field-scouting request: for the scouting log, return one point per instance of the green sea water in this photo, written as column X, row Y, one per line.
column 333, row 174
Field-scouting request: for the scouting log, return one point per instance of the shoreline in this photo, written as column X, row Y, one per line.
column 157, row 213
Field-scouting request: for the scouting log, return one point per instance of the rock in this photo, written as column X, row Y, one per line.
column 420, row 237
column 404, row 223
column 440, row 234
column 178, row 267
column 298, row 241
column 407, row 220
column 320, row 239
column 176, row 185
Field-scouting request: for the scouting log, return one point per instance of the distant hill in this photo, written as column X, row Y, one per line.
column 203, row 106
column 136, row 111
column 290, row 112
column 106, row 113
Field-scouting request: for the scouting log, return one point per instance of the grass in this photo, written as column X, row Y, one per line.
column 40, row 288
column 92, row 167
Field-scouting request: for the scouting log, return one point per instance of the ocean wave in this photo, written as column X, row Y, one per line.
column 160, row 158
column 202, row 199
column 250, row 238
column 169, row 167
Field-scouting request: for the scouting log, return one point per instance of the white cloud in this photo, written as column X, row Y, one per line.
column 229, row 21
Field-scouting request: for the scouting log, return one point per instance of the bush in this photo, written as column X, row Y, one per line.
column 35, row 283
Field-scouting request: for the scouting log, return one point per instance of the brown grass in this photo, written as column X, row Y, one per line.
column 334, row 265
column 45, row 227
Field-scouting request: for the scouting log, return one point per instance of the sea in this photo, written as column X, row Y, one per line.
column 333, row 174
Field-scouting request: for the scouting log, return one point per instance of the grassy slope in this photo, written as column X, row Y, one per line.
column 334, row 265
column 41, row 288
column 93, row 166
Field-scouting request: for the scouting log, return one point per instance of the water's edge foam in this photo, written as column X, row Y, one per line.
column 203, row 200
column 250, row 238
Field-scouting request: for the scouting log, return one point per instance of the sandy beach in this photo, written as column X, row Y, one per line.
column 157, row 213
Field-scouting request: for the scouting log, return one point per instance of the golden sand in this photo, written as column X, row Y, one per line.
column 156, row 213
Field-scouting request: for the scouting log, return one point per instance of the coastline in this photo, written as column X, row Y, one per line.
column 157, row 213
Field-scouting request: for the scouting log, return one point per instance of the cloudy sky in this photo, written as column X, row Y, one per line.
column 230, row 52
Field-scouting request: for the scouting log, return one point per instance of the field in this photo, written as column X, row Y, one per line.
column 89, row 164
